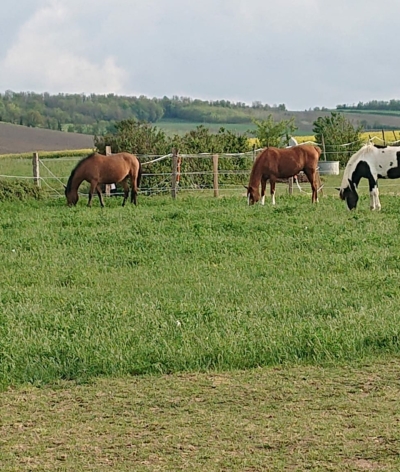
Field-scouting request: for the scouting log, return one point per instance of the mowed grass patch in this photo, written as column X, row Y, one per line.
column 337, row 418
column 194, row 285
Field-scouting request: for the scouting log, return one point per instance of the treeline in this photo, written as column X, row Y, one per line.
column 97, row 114
column 375, row 105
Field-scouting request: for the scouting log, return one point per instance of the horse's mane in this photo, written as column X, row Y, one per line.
column 71, row 177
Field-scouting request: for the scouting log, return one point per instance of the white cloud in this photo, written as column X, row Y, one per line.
column 303, row 53
column 49, row 55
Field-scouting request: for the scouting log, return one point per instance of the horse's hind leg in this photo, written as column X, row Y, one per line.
column 311, row 176
column 125, row 186
column 134, row 195
column 134, row 190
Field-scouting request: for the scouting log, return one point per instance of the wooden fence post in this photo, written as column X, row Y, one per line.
column 108, row 186
column 323, row 147
column 215, row 174
column 174, row 172
column 36, row 171
column 290, row 182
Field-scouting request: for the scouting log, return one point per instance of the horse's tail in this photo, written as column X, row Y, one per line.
column 139, row 175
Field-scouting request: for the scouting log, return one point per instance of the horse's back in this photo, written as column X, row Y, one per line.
column 286, row 162
column 129, row 158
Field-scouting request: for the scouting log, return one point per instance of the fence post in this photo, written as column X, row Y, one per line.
column 36, row 171
column 174, row 172
column 215, row 174
column 323, row 147
column 108, row 186
column 290, row 182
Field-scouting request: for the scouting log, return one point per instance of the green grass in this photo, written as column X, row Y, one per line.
column 200, row 334
column 195, row 284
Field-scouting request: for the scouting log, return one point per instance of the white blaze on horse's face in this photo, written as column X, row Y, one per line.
column 251, row 200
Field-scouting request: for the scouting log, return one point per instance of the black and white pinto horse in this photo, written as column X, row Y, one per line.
column 371, row 162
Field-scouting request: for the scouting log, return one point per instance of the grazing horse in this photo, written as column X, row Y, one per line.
column 371, row 162
column 276, row 163
column 98, row 169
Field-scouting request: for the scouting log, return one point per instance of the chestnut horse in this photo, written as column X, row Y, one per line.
column 276, row 163
column 98, row 169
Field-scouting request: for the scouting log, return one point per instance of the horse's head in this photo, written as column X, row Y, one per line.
column 253, row 195
column 349, row 194
column 72, row 197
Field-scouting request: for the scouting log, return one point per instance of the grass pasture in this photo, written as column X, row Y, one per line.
column 194, row 284
column 200, row 333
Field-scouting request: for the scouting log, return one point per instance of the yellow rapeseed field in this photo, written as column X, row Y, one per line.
column 390, row 137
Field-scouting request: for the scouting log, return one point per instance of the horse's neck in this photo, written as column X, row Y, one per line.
column 355, row 172
column 75, row 182
column 255, row 174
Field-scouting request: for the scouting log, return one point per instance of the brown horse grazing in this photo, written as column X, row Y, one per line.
column 98, row 169
column 276, row 163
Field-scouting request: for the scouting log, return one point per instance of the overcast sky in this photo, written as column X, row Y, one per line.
column 303, row 53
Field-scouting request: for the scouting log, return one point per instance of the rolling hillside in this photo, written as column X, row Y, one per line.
column 15, row 139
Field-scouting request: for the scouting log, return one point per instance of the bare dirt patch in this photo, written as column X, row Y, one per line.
column 16, row 139
column 304, row 418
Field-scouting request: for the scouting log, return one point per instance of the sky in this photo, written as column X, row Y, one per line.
column 301, row 53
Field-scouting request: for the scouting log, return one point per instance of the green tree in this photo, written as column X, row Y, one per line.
column 340, row 138
column 137, row 137
column 274, row 133
column 34, row 119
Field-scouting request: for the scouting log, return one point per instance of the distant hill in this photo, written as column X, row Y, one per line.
column 15, row 139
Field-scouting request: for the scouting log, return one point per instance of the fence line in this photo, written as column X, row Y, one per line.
column 174, row 179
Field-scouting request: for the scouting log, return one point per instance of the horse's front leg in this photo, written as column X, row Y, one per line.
column 375, row 203
column 263, row 187
column 134, row 194
column 93, row 187
column 272, row 183
column 100, row 195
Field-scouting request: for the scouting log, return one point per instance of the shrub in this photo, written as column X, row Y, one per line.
column 19, row 190
column 335, row 131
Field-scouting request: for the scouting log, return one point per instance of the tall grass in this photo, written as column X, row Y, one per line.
column 194, row 284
